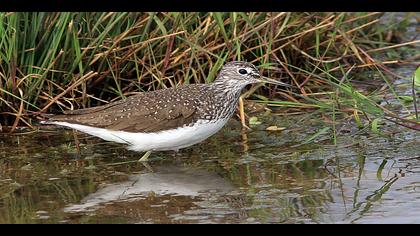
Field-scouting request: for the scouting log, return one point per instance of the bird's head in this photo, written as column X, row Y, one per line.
column 240, row 73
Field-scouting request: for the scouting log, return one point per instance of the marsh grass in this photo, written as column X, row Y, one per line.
column 57, row 61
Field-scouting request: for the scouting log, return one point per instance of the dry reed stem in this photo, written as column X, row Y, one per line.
column 71, row 87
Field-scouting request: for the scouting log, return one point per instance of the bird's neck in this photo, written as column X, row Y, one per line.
column 227, row 93
column 227, row 88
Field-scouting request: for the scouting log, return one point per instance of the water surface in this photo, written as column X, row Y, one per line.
column 237, row 176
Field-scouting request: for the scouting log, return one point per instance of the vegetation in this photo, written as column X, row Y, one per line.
column 57, row 61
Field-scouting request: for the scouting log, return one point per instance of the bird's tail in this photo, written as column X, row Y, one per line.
column 44, row 119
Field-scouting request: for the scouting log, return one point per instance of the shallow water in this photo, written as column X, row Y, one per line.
column 237, row 176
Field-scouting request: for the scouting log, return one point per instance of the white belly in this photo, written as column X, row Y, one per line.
column 173, row 139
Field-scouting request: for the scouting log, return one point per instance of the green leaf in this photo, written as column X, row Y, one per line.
column 213, row 71
column 375, row 125
column 314, row 136
column 218, row 16
column 417, row 77
column 254, row 121
column 380, row 169
column 406, row 98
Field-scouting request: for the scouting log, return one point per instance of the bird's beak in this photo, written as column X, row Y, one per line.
column 264, row 79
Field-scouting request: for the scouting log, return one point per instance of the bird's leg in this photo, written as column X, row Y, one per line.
column 242, row 112
column 175, row 152
column 77, row 142
column 145, row 156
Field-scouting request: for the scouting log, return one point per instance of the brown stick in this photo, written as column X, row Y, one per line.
column 77, row 83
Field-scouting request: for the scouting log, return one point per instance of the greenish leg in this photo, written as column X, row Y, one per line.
column 145, row 156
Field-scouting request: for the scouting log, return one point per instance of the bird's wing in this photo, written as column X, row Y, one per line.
column 173, row 116
column 138, row 113
column 92, row 109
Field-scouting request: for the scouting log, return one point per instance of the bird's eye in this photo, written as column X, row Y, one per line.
column 242, row 71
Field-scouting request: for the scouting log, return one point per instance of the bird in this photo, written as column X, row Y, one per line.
column 167, row 119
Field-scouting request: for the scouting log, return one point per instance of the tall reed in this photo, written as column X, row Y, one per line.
column 58, row 61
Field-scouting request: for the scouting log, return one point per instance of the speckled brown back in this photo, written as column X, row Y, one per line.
column 155, row 111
